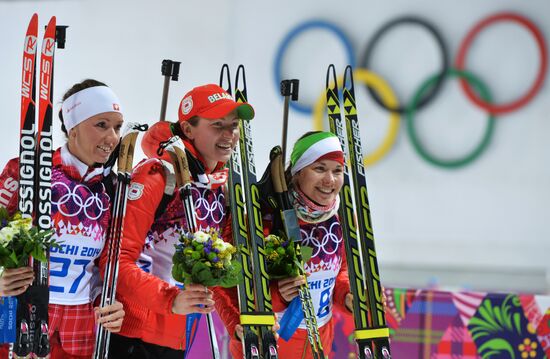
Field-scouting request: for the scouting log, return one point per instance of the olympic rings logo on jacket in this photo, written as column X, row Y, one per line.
column 426, row 92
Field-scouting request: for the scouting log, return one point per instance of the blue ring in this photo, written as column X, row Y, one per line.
column 322, row 24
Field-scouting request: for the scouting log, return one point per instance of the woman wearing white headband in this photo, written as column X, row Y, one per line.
column 91, row 118
column 316, row 176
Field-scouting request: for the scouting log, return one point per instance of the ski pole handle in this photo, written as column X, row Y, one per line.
column 275, row 174
column 289, row 90
column 176, row 150
column 169, row 69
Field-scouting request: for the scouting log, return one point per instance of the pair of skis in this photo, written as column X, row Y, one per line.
column 35, row 162
column 116, row 229
column 371, row 331
column 257, row 317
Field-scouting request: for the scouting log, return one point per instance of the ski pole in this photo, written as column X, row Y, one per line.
column 124, row 164
column 176, row 149
column 289, row 89
column 170, row 70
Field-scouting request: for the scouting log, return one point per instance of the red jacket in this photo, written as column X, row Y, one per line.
column 228, row 308
column 145, row 285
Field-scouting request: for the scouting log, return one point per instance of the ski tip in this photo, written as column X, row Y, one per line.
column 33, row 24
column 52, row 21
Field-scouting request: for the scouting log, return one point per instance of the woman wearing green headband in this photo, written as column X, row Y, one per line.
column 315, row 178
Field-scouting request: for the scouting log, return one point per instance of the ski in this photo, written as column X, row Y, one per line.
column 257, row 317
column 40, row 295
column 35, row 163
column 245, row 289
column 371, row 332
column 116, row 229
column 27, row 146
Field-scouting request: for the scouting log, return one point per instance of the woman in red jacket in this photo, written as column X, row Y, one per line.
column 316, row 173
column 91, row 119
column 156, row 307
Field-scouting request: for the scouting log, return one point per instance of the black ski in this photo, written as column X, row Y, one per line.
column 27, row 152
column 32, row 328
column 371, row 332
column 263, row 316
column 245, row 289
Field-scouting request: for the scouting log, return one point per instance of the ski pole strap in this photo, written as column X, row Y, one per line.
column 8, row 311
column 291, row 319
column 372, row 333
column 191, row 327
column 257, row 318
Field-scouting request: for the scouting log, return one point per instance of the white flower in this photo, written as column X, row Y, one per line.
column 221, row 245
column 6, row 234
column 201, row 237
column 23, row 223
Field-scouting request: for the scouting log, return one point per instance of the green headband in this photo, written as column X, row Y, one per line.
column 308, row 149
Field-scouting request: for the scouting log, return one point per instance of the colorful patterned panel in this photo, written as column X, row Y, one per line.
column 543, row 332
column 501, row 330
column 426, row 321
column 457, row 343
column 429, row 324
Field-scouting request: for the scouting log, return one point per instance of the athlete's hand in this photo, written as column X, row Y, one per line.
column 288, row 287
column 15, row 281
column 110, row 316
column 348, row 301
column 188, row 300
column 239, row 332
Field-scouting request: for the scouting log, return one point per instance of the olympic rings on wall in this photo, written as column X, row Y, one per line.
column 387, row 97
column 460, row 60
column 383, row 95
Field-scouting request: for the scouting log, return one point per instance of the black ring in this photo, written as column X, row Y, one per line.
column 444, row 56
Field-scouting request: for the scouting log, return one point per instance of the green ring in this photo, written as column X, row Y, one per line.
column 419, row 147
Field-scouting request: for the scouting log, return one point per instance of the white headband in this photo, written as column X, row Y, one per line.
column 318, row 149
column 87, row 103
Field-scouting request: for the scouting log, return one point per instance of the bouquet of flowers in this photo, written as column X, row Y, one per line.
column 19, row 239
column 204, row 258
column 282, row 259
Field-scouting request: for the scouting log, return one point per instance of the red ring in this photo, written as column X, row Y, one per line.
column 497, row 109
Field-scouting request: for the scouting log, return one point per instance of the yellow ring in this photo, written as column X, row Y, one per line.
column 386, row 95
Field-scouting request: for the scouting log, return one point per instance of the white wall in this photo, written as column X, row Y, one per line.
column 482, row 226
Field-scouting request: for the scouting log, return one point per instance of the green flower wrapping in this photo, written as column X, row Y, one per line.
column 204, row 258
column 19, row 240
column 282, row 258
